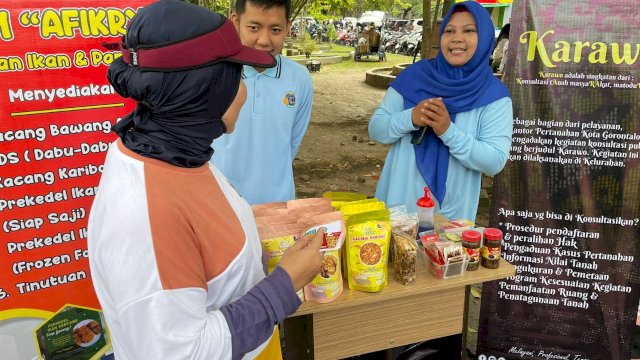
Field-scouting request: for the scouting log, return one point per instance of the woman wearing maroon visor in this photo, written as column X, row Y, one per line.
column 174, row 251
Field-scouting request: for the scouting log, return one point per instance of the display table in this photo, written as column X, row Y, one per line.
column 359, row 322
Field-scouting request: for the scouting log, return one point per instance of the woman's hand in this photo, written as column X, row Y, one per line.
column 303, row 260
column 433, row 113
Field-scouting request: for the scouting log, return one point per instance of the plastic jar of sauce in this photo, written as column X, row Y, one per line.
column 471, row 244
column 491, row 248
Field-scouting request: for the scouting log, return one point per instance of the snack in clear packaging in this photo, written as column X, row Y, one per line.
column 448, row 270
column 454, row 226
column 450, row 236
column 429, row 236
column 397, row 211
column 445, row 259
column 405, row 251
column 407, row 223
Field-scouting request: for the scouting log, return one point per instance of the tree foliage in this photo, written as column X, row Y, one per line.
column 332, row 34
column 406, row 9
column 436, row 10
column 306, row 44
column 336, row 9
column 224, row 7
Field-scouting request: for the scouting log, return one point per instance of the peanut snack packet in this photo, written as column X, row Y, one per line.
column 405, row 252
column 367, row 245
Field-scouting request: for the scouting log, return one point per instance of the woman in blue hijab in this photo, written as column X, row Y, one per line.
column 449, row 120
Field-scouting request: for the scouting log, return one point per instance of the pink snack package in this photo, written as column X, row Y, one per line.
column 298, row 203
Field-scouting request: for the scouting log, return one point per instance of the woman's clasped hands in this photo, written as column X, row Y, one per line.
column 433, row 113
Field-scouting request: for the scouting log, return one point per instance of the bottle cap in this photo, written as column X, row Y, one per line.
column 492, row 234
column 471, row 236
column 426, row 201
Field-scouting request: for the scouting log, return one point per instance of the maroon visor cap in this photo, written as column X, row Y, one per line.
column 220, row 44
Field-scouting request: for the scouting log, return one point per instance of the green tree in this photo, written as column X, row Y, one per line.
column 332, row 34
column 329, row 9
column 297, row 6
column 306, row 45
column 447, row 5
column 433, row 12
column 224, row 7
column 406, row 9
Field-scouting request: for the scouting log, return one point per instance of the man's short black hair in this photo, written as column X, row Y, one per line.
column 265, row 4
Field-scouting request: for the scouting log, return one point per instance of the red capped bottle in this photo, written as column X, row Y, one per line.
column 425, row 212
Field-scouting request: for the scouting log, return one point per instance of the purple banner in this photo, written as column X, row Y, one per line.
column 568, row 200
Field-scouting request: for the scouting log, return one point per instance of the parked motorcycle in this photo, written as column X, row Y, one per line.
column 412, row 43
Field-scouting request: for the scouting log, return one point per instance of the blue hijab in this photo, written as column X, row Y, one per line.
column 461, row 88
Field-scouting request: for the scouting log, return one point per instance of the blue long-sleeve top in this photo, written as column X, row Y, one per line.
column 478, row 142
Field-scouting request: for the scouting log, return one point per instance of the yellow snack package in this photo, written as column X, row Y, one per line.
column 355, row 202
column 274, row 248
column 367, row 245
column 339, row 198
column 275, row 240
column 360, row 207
column 356, row 207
